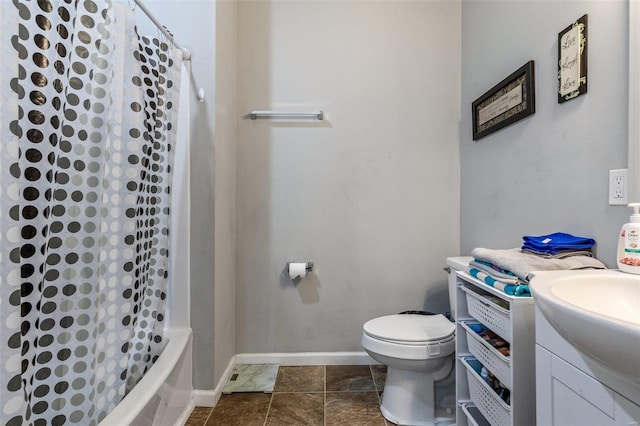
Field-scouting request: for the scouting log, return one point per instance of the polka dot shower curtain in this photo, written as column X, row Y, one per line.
column 86, row 133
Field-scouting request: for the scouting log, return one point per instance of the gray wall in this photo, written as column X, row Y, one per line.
column 371, row 195
column 224, row 301
column 548, row 172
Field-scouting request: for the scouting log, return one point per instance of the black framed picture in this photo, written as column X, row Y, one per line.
column 572, row 60
column 505, row 103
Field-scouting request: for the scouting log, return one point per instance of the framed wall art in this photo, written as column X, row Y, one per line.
column 572, row 60
column 507, row 102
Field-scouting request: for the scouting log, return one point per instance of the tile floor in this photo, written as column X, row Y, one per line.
column 330, row 395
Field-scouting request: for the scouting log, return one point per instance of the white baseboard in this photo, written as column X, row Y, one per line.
column 307, row 358
column 204, row 398
column 209, row 398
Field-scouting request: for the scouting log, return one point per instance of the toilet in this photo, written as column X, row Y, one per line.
column 418, row 351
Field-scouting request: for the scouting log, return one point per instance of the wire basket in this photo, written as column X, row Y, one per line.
column 495, row 362
column 496, row 411
column 489, row 314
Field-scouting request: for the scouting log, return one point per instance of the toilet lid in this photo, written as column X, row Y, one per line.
column 410, row 328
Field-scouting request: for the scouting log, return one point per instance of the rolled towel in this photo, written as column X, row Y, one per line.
column 522, row 264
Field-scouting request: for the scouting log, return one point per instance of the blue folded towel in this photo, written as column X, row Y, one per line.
column 556, row 242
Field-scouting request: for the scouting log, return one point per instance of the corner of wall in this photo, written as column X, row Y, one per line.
column 224, row 280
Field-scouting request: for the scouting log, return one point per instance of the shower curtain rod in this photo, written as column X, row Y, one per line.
column 186, row 55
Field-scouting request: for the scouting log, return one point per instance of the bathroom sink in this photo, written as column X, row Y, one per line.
column 597, row 311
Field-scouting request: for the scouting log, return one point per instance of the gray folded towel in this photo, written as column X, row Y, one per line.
column 560, row 254
column 522, row 264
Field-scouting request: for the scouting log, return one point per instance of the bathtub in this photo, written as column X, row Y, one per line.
column 163, row 396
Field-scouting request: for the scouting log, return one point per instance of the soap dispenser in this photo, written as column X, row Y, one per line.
column 629, row 243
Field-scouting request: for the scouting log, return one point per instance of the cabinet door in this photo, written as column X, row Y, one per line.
column 567, row 396
column 544, row 399
column 571, row 408
column 627, row 413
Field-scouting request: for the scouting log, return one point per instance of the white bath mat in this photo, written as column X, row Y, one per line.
column 252, row 378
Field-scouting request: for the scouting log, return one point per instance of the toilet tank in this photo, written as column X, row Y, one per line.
column 455, row 264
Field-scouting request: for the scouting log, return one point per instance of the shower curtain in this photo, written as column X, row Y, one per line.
column 87, row 113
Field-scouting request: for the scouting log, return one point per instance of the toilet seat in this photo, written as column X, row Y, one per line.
column 411, row 337
column 410, row 328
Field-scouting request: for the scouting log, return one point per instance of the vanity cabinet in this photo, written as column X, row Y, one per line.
column 572, row 390
column 511, row 400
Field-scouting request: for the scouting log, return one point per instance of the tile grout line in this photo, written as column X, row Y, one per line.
column 208, row 417
column 375, row 385
column 273, row 391
column 266, row 417
column 324, row 395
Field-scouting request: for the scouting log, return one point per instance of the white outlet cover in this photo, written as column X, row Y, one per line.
column 618, row 187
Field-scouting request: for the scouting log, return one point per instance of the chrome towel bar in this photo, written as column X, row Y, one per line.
column 255, row 114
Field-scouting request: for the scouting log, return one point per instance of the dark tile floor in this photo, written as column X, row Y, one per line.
column 332, row 395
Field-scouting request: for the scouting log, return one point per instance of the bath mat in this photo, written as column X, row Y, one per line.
column 252, row 378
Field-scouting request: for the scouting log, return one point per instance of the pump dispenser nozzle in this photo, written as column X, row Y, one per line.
column 635, row 217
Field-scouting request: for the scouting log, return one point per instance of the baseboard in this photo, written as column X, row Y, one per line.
column 204, row 398
column 306, row 358
column 209, row 398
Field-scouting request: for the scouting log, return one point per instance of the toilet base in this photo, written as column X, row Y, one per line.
column 409, row 399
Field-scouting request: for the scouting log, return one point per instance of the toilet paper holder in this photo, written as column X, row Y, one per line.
column 308, row 266
column 297, row 271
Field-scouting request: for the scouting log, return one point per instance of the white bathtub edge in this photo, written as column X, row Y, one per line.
column 127, row 410
column 186, row 413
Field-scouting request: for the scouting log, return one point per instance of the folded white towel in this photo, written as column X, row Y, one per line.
column 522, row 264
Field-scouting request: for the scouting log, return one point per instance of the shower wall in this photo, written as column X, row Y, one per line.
column 371, row 195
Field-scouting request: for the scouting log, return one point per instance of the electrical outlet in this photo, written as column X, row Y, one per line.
column 618, row 187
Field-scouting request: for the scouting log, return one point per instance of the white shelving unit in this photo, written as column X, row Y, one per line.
column 512, row 318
